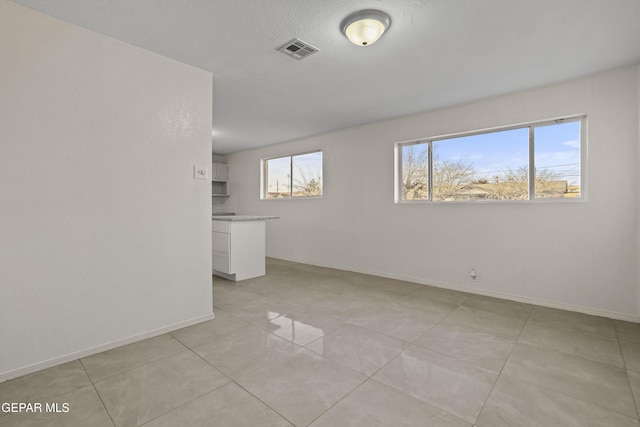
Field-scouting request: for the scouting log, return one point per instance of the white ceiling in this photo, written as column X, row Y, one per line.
column 436, row 53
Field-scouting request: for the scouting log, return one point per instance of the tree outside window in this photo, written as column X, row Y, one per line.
column 495, row 165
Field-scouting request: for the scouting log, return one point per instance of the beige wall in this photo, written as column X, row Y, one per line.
column 579, row 256
column 104, row 234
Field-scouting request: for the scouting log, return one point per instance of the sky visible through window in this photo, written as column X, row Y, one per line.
column 279, row 175
column 301, row 173
column 557, row 149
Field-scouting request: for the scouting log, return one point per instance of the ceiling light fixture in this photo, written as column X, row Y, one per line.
column 365, row 26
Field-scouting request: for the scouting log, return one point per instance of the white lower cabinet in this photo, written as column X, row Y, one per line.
column 238, row 249
column 221, row 251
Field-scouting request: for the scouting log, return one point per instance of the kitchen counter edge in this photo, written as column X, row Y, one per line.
column 243, row 217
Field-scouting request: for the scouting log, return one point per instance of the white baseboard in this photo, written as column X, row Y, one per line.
column 5, row 376
column 534, row 301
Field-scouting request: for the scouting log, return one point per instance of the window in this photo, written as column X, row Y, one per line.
column 537, row 161
column 293, row 176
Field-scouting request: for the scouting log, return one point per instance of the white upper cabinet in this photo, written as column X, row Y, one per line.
column 219, row 172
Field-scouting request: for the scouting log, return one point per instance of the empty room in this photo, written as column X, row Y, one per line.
column 319, row 213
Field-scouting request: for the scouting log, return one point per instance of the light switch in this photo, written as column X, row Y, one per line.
column 200, row 172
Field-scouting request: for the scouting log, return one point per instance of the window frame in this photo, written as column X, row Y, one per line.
column 264, row 178
column 398, row 162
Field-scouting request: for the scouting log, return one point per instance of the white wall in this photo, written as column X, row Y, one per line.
column 579, row 256
column 638, row 193
column 104, row 235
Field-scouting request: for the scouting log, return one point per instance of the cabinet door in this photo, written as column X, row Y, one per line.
column 219, row 172
column 221, row 262
column 221, row 242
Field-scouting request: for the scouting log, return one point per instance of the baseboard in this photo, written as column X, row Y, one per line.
column 475, row 291
column 231, row 277
column 99, row 349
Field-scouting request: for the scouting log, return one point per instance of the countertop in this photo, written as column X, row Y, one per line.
column 242, row 217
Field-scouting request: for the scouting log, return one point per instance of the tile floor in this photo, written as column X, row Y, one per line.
column 311, row 346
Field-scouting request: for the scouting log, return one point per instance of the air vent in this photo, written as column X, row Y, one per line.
column 297, row 49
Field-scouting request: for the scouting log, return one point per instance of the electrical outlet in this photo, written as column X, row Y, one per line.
column 200, row 172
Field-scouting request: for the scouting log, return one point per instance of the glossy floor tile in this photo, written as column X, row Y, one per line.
column 125, row 358
column 375, row 404
column 79, row 408
column 627, row 331
column 303, row 295
column 578, row 321
column 346, row 307
column 519, row 403
column 584, row 379
column 223, row 324
column 302, row 327
column 46, row 384
column 468, row 343
column 230, row 298
column 397, row 321
column 262, row 310
column 360, row 349
column 631, row 353
column 593, row 347
column 228, row 406
column 144, row 393
column 634, row 378
column 513, row 309
column 503, row 325
column 453, row 385
column 430, row 294
column 302, row 385
column 242, row 351
column 306, row 345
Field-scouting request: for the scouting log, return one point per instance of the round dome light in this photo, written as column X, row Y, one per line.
column 365, row 27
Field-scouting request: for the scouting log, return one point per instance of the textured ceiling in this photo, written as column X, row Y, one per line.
column 436, row 53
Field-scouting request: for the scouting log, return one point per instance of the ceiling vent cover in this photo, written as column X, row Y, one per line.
column 297, row 49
